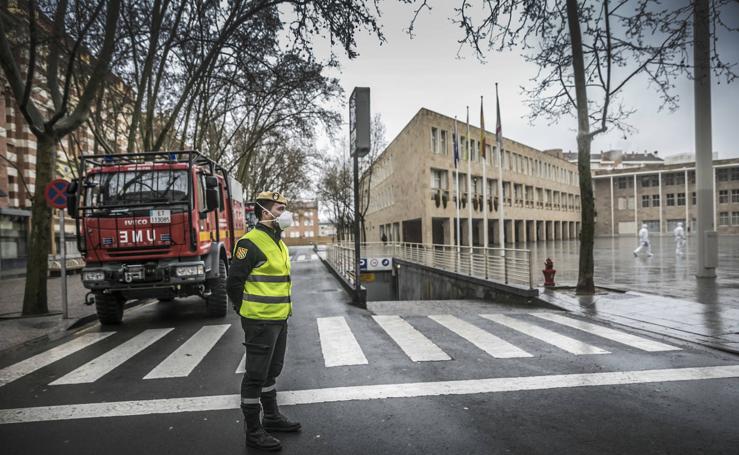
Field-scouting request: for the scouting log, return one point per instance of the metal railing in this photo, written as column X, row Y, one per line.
column 500, row 265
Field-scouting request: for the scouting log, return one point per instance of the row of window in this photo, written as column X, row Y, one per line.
column 724, row 220
column 520, row 195
column 296, row 234
column 674, row 178
column 673, row 199
column 511, row 161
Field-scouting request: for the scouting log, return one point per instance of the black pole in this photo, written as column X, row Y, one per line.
column 357, row 293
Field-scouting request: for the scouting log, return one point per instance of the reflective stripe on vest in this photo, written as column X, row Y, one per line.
column 268, row 287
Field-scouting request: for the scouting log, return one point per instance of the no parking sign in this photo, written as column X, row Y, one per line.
column 56, row 193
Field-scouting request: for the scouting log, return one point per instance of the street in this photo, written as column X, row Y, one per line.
column 472, row 381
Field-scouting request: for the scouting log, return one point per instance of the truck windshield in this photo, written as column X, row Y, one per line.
column 117, row 189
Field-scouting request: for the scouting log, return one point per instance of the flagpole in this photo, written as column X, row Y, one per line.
column 499, row 146
column 484, row 178
column 456, row 178
column 469, row 185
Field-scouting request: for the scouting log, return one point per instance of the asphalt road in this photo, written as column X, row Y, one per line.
column 498, row 384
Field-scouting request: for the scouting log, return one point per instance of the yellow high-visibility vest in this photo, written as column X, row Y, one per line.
column 268, row 287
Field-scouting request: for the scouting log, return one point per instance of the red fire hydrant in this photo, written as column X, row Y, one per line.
column 549, row 272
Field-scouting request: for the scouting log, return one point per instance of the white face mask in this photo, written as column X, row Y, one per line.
column 285, row 220
column 282, row 222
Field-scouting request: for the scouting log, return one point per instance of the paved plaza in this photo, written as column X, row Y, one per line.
column 665, row 273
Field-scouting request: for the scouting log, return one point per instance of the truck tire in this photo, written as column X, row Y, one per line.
column 217, row 302
column 109, row 308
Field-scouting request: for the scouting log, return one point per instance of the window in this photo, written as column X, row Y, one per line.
column 442, row 143
column 645, row 200
column 438, row 179
column 692, row 198
column 735, row 218
column 669, row 179
column 723, row 197
column 309, row 234
column 722, row 175
column 723, row 218
column 473, row 148
column 434, row 140
column 655, row 200
column 649, row 180
column 681, row 199
column 735, row 173
column 670, row 199
column 680, row 179
column 691, row 177
column 622, row 183
column 735, row 195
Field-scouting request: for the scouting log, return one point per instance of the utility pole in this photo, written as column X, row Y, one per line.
column 706, row 236
column 359, row 143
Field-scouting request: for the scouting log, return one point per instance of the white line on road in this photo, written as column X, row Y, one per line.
column 568, row 344
column 313, row 257
column 338, row 344
column 242, row 365
column 366, row 392
column 604, row 332
column 181, row 362
column 301, row 258
column 411, row 341
column 486, row 341
column 20, row 369
column 99, row 367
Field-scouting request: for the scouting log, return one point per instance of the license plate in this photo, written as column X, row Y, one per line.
column 159, row 217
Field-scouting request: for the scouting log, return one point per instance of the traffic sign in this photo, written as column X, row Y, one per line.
column 362, row 263
column 56, row 193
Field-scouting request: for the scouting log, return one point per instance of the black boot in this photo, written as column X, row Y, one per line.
column 273, row 420
column 256, row 436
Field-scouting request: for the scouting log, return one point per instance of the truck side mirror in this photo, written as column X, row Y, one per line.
column 211, row 199
column 72, row 198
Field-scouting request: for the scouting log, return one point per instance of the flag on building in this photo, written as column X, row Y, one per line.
column 482, row 132
column 455, row 157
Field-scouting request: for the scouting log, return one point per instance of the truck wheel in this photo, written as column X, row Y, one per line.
column 109, row 308
column 217, row 302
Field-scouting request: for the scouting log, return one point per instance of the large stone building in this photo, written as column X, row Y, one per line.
column 412, row 196
column 617, row 159
column 661, row 195
column 305, row 228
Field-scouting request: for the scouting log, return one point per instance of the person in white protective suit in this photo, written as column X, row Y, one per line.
column 644, row 245
column 679, row 233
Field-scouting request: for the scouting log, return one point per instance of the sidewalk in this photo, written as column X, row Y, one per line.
column 714, row 325
column 16, row 330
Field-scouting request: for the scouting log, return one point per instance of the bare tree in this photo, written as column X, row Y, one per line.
column 334, row 190
column 367, row 169
column 587, row 53
column 77, row 41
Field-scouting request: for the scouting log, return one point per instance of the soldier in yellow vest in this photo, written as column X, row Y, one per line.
column 259, row 287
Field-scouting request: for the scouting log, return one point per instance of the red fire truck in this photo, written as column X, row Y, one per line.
column 155, row 225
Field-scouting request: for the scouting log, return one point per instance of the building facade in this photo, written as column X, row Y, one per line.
column 413, row 188
column 618, row 159
column 661, row 196
column 305, row 222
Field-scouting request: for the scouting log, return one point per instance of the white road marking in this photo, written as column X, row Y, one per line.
column 99, row 367
column 486, row 341
column 604, row 332
column 181, row 362
column 411, row 341
column 366, row 392
column 242, row 365
column 338, row 344
column 31, row 364
column 301, row 258
column 568, row 344
column 313, row 257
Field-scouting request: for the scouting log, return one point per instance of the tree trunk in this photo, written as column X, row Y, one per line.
column 585, row 272
column 39, row 244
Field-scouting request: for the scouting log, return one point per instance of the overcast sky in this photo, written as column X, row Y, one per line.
column 405, row 75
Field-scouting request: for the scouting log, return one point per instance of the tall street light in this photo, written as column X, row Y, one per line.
column 359, row 146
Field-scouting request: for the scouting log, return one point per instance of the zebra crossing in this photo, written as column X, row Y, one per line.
column 304, row 257
column 340, row 346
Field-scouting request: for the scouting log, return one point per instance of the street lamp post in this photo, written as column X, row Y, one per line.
column 359, row 146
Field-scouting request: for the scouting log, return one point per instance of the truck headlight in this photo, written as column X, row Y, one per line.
column 185, row 271
column 93, row 276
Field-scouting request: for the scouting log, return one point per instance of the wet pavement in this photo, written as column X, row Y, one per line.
column 665, row 273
